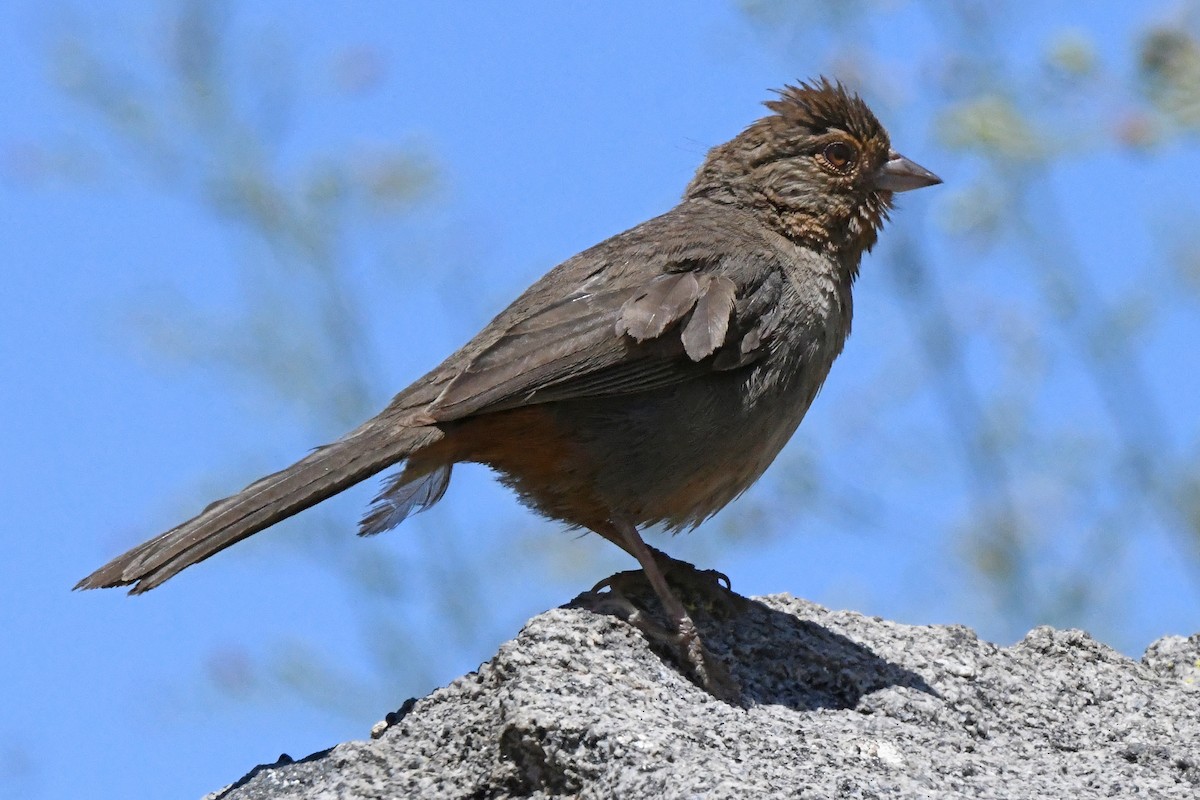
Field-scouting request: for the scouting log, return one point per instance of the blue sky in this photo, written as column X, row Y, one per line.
column 553, row 126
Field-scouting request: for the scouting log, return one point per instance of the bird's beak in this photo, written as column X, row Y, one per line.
column 901, row 175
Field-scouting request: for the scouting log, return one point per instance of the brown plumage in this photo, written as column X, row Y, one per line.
column 648, row 380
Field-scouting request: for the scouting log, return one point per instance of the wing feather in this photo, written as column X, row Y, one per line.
column 706, row 307
column 705, row 331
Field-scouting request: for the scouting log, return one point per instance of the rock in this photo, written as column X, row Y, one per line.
column 835, row 705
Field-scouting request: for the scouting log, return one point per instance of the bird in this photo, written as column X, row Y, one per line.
column 647, row 381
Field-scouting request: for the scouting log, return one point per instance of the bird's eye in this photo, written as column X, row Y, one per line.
column 839, row 155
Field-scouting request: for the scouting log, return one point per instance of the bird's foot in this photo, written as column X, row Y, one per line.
column 701, row 588
column 706, row 670
column 681, row 639
column 708, row 589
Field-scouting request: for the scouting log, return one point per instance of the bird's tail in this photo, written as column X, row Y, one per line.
column 374, row 446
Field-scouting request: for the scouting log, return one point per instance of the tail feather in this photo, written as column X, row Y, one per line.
column 403, row 495
column 326, row 471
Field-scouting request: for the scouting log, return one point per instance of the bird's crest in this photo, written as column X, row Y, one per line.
column 825, row 104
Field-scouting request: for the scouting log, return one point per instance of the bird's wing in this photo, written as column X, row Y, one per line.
column 621, row 331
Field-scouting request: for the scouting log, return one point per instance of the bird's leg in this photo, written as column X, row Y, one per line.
column 708, row 672
column 676, row 613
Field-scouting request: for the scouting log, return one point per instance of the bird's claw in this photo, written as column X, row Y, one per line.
column 708, row 588
column 613, row 595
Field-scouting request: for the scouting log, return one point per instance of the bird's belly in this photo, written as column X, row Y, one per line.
column 673, row 456
column 679, row 455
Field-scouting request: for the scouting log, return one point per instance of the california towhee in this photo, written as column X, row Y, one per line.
column 648, row 380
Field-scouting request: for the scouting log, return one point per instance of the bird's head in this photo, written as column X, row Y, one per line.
column 820, row 169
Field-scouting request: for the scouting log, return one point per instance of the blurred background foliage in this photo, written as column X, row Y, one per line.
column 1006, row 311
